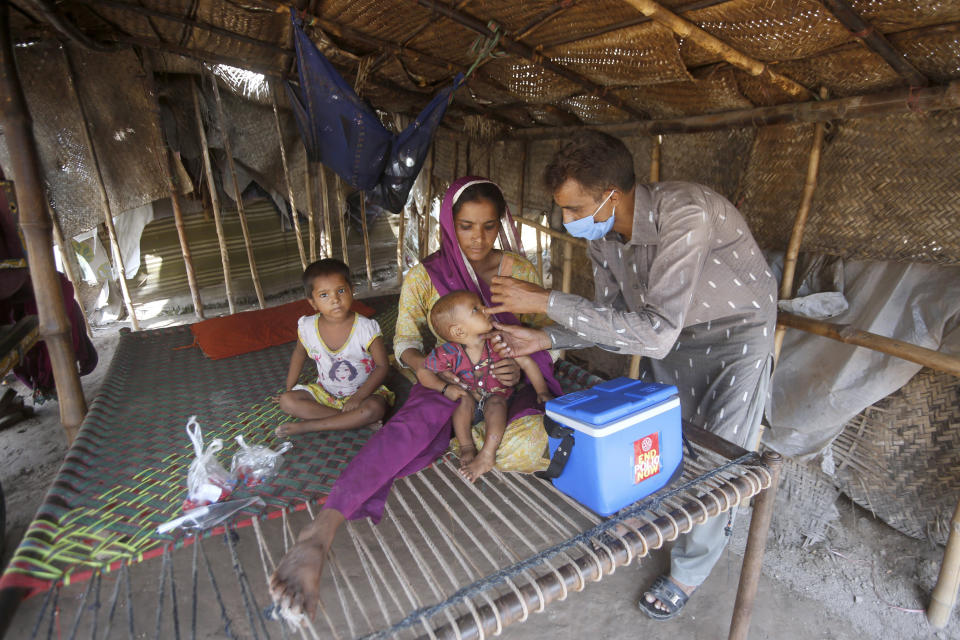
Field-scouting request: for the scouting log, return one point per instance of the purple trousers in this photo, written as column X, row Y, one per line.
column 417, row 434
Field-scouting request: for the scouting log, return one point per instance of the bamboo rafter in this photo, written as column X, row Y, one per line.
column 686, row 29
column 626, row 24
column 935, row 98
column 875, row 41
column 533, row 55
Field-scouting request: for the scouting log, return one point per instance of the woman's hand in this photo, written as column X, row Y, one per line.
column 506, row 371
column 515, row 340
column 517, row 296
column 455, row 393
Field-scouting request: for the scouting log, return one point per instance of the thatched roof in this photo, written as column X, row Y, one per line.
column 565, row 62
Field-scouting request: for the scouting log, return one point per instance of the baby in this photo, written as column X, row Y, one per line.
column 458, row 318
column 350, row 355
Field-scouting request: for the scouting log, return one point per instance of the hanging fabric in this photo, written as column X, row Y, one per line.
column 344, row 133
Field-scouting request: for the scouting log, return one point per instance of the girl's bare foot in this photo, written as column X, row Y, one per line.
column 290, row 428
column 478, row 466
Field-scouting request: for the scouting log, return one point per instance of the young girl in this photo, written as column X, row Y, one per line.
column 458, row 317
column 350, row 355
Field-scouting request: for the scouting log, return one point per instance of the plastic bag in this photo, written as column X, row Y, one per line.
column 207, row 480
column 253, row 464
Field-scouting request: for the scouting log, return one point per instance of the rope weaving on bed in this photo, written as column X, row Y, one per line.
column 126, row 472
column 449, row 559
column 515, row 542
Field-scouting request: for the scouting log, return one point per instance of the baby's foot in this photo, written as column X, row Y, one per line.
column 478, row 466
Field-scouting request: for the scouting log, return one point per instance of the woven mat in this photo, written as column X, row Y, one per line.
column 126, row 472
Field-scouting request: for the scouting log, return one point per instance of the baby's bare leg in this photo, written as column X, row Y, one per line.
column 462, row 422
column 495, row 419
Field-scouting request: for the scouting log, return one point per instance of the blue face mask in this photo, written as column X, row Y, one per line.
column 588, row 228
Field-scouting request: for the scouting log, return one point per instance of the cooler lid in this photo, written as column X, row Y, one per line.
column 611, row 400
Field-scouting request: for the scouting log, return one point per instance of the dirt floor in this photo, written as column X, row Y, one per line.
column 865, row 581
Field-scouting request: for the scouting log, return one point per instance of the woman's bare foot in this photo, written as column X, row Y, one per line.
column 478, row 466
column 295, row 583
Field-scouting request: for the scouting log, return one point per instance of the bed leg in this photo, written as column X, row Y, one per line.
column 753, row 556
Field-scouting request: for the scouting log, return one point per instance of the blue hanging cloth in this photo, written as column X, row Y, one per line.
column 343, row 132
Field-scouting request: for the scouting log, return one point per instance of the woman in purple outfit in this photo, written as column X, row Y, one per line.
column 472, row 216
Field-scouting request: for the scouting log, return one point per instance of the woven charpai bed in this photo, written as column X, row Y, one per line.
column 449, row 559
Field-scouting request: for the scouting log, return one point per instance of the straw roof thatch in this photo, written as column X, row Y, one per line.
column 555, row 62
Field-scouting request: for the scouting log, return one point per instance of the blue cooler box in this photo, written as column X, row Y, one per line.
column 627, row 442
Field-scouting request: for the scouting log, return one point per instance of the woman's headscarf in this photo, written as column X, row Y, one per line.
column 450, row 270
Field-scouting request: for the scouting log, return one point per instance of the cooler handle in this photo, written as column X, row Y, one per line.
column 562, row 454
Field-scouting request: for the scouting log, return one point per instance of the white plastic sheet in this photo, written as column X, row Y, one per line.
column 820, row 384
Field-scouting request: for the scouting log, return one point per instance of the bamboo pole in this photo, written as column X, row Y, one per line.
column 311, row 211
column 654, row 177
column 796, row 236
column 286, row 177
column 576, row 242
column 689, row 31
column 68, row 257
column 35, row 225
column 655, row 158
column 400, row 233
column 227, row 148
column 944, row 595
column 456, row 160
column 424, row 240
column 104, row 199
column 521, row 203
column 214, row 200
column 937, row 98
column 325, row 212
column 366, row 238
column 164, row 159
column 753, row 554
column 891, row 346
column 540, row 252
column 341, row 210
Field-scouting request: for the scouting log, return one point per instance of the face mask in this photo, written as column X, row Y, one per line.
column 588, row 228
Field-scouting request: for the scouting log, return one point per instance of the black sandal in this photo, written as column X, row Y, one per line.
column 668, row 593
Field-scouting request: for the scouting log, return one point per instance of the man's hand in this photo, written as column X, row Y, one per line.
column 506, row 371
column 514, row 340
column 516, row 296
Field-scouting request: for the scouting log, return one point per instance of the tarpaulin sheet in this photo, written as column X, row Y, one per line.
column 820, row 384
column 344, row 133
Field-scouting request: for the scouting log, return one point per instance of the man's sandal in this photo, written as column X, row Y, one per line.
column 668, row 593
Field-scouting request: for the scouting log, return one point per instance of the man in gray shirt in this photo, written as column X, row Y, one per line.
column 678, row 278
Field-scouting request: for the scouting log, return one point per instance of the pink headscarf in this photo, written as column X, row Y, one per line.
column 450, row 270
